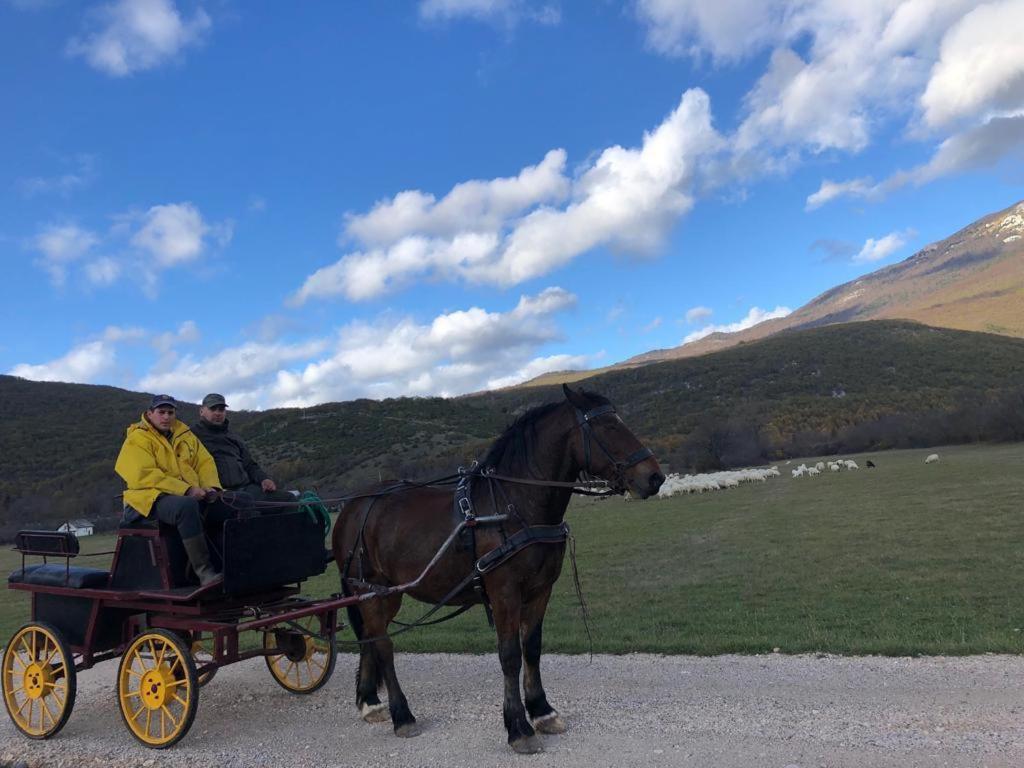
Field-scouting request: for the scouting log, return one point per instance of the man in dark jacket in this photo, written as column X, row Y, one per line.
column 237, row 469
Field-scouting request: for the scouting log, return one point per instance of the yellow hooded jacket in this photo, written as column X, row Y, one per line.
column 151, row 464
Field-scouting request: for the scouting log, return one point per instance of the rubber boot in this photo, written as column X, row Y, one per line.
column 199, row 557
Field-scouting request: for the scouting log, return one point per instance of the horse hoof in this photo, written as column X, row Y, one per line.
column 374, row 713
column 551, row 723
column 528, row 745
column 408, row 730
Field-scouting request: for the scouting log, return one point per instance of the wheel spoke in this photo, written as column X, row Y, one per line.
column 176, row 683
column 45, row 712
column 149, row 721
column 152, row 652
column 177, row 663
column 26, row 701
column 161, row 654
column 27, row 647
column 169, row 717
column 181, row 701
column 130, row 694
column 16, row 656
column 139, row 711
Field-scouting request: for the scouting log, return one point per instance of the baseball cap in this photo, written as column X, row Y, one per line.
column 159, row 400
column 213, row 399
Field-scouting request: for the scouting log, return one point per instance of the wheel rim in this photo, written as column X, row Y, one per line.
column 156, row 686
column 36, row 681
column 307, row 664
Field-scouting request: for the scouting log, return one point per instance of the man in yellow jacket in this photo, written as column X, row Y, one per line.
column 169, row 474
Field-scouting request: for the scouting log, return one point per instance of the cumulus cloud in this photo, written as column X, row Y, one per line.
column 172, row 234
column 754, row 316
column 84, row 364
column 696, row 314
column 981, row 66
column 142, row 244
column 456, row 352
column 60, row 246
column 653, row 325
column 876, row 250
column 133, row 35
column 506, row 12
column 728, row 29
column 506, row 231
column 538, row 367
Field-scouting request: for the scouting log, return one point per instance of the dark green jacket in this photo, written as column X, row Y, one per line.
column 235, row 465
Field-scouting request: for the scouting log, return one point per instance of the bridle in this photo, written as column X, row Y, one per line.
column 583, row 421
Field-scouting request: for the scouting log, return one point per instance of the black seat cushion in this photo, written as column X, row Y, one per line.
column 55, row 575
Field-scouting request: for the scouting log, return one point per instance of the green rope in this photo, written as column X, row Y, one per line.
column 314, row 506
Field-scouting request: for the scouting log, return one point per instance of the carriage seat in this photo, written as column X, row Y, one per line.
column 57, row 575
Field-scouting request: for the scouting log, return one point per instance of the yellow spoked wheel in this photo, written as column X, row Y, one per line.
column 202, row 654
column 38, row 680
column 157, row 689
column 308, row 659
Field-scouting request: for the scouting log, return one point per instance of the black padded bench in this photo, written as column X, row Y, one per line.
column 56, row 575
column 62, row 544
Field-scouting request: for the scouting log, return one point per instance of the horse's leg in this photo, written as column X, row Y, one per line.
column 521, row 736
column 543, row 716
column 368, row 681
column 377, row 614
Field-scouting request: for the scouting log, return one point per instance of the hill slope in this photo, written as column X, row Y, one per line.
column 838, row 388
column 971, row 281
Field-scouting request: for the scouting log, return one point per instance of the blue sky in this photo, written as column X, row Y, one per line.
column 300, row 203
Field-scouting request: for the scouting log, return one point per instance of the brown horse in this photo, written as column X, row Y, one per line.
column 389, row 537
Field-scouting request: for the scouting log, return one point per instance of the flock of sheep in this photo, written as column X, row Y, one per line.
column 715, row 481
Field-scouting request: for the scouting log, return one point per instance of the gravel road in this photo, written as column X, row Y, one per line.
column 777, row 711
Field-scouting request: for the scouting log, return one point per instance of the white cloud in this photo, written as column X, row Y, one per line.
column 695, row 314
column 876, row 250
column 726, row 29
column 103, row 271
column 830, row 190
column 754, row 316
column 133, row 35
column 981, row 67
column 654, row 324
column 116, row 333
column 506, row 231
column 84, row 364
column 64, row 184
column 187, row 333
column 507, row 12
column 172, row 234
column 60, row 245
column 456, row 352
column 539, row 366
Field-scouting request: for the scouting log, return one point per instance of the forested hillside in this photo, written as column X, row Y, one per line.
column 842, row 388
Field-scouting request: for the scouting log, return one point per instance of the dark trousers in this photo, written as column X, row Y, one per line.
column 186, row 513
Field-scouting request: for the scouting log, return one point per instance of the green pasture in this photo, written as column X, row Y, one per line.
column 906, row 558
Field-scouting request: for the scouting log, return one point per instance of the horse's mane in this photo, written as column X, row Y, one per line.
column 511, row 451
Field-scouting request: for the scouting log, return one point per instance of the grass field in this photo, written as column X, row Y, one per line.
column 902, row 559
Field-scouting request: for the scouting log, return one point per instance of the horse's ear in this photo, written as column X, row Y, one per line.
column 576, row 398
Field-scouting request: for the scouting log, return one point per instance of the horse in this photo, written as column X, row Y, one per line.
column 389, row 536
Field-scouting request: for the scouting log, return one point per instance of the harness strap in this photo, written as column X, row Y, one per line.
column 520, row 540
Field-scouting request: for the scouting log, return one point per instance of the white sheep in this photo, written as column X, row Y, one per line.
column 820, row 466
column 851, row 464
column 932, row 458
column 813, row 471
column 834, row 466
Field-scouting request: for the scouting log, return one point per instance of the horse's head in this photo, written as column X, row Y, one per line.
column 609, row 450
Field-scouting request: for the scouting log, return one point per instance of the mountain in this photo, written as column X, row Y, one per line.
column 971, row 281
column 838, row 388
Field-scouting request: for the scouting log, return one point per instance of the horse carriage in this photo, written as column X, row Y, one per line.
column 493, row 534
column 171, row 635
